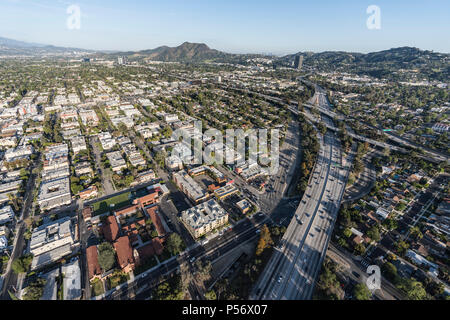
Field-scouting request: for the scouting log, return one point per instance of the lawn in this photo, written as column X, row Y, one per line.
column 117, row 279
column 119, row 201
column 97, row 288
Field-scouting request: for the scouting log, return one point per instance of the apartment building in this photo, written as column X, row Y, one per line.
column 204, row 218
column 190, row 188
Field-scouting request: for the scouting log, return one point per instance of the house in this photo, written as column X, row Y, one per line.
column 189, row 187
column 358, row 239
column 88, row 193
column 146, row 251
column 116, row 161
column 444, row 207
column 148, row 199
column 3, row 243
column 87, row 213
column 145, row 176
column 226, row 191
column 4, row 231
column 83, row 169
column 54, row 193
column 174, row 163
column 72, row 281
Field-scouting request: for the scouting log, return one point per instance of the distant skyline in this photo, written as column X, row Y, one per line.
column 246, row 26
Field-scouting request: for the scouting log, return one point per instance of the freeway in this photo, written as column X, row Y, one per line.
column 294, row 266
column 431, row 155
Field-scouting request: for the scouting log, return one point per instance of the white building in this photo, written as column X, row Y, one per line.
column 51, row 236
column 204, row 218
column 54, row 193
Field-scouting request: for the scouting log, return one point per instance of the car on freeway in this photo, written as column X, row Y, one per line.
column 280, row 278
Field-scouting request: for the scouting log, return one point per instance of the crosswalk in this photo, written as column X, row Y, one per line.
column 365, row 263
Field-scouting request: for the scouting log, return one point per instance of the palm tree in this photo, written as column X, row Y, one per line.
column 14, row 200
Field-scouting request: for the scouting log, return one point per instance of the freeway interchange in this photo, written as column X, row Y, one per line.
column 292, row 270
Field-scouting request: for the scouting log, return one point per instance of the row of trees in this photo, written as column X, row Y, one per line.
column 310, row 150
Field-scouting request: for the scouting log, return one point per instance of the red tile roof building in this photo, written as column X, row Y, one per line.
column 126, row 211
column 87, row 213
column 124, row 254
column 148, row 250
column 110, row 229
column 153, row 213
column 147, row 200
column 92, row 262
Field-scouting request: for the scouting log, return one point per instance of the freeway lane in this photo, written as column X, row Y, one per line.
column 291, row 272
column 430, row 155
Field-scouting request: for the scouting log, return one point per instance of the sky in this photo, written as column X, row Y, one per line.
column 235, row 26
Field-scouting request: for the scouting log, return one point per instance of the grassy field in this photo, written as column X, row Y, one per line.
column 119, row 201
column 97, row 288
column 117, row 279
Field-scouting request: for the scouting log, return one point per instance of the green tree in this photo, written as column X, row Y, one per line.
column 401, row 247
column 361, row 292
column 22, row 264
column 211, row 295
column 106, row 256
column 174, row 244
column 360, row 249
column 374, row 233
column 390, row 271
column 35, row 290
column 265, row 240
column 414, row 289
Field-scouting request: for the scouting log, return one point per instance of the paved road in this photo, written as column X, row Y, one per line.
column 10, row 278
column 364, row 183
column 431, row 155
column 108, row 186
column 294, row 266
column 358, row 273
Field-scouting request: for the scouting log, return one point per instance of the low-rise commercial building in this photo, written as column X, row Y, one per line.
column 244, row 206
column 226, row 191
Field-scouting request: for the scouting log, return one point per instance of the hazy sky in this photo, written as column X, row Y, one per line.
column 257, row 26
